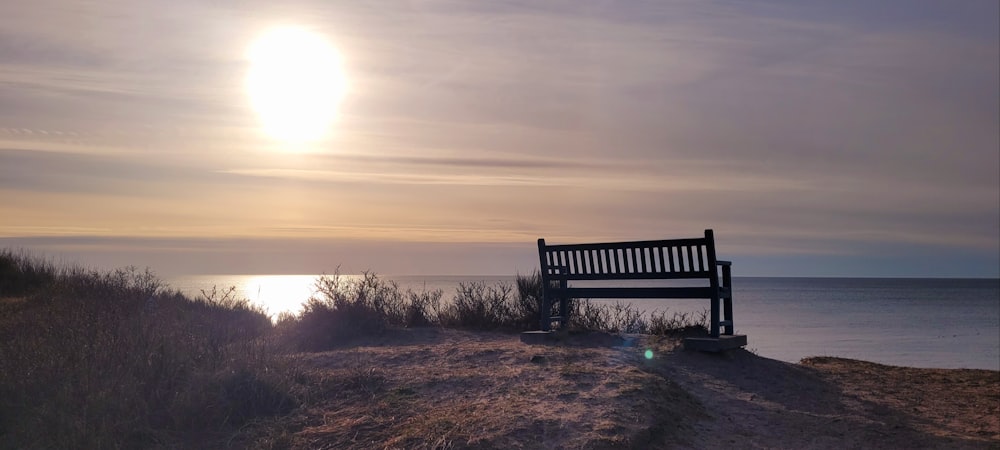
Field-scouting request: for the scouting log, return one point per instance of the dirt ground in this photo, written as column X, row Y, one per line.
column 435, row 388
column 835, row 403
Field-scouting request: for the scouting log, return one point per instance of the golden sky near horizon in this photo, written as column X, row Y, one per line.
column 814, row 138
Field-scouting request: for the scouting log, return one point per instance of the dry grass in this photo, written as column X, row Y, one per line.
column 432, row 388
column 342, row 311
column 439, row 388
column 963, row 403
column 113, row 360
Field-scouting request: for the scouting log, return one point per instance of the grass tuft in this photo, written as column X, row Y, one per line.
column 114, row 359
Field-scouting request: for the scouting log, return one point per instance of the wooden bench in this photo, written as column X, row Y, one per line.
column 676, row 259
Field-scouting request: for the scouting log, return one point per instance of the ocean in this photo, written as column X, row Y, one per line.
column 938, row 323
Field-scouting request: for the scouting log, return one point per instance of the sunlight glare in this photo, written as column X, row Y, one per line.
column 294, row 82
column 280, row 293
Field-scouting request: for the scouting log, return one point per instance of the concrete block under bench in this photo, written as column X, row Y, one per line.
column 716, row 344
column 539, row 337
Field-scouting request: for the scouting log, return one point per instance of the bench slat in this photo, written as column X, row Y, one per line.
column 640, row 260
column 636, row 292
column 683, row 259
column 624, row 245
column 629, row 276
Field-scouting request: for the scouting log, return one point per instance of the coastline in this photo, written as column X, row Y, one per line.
column 440, row 388
column 368, row 367
column 938, row 323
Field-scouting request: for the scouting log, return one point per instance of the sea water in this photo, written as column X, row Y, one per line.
column 943, row 323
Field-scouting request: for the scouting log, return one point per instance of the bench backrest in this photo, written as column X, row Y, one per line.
column 638, row 260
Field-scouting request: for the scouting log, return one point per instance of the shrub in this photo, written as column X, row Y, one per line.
column 478, row 306
column 586, row 315
column 681, row 324
column 20, row 273
column 527, row 308
column 112, row 359
column 626, row 318
column 342, row 310
column 420, row 307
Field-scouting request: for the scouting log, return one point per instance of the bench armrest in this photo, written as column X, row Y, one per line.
column 724, row 263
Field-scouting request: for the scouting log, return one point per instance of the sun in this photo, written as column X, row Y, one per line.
column 295, row 82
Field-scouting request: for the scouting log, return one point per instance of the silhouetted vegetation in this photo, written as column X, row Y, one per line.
column 112, row 360
column 343, row 310
column 115, row 359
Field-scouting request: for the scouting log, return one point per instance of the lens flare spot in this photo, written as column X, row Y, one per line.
column 649, row 354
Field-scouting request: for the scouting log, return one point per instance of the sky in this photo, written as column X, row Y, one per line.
column 817, row 138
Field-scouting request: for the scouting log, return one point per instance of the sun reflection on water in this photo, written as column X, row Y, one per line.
column 287, row 293
column 279, row 293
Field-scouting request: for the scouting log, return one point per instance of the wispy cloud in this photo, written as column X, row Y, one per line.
column 810, row 128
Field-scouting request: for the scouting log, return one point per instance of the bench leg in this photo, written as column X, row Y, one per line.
column 727, row 282
column 563, row 312
column 714, row 327
column 727, row 311
column 563, row 305
column 546, row 313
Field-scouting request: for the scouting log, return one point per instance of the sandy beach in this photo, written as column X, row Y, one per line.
column 438, row 388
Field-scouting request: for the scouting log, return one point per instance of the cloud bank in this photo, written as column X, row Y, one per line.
column 833, row 134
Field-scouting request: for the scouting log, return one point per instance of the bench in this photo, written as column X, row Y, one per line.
column 675, row 259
